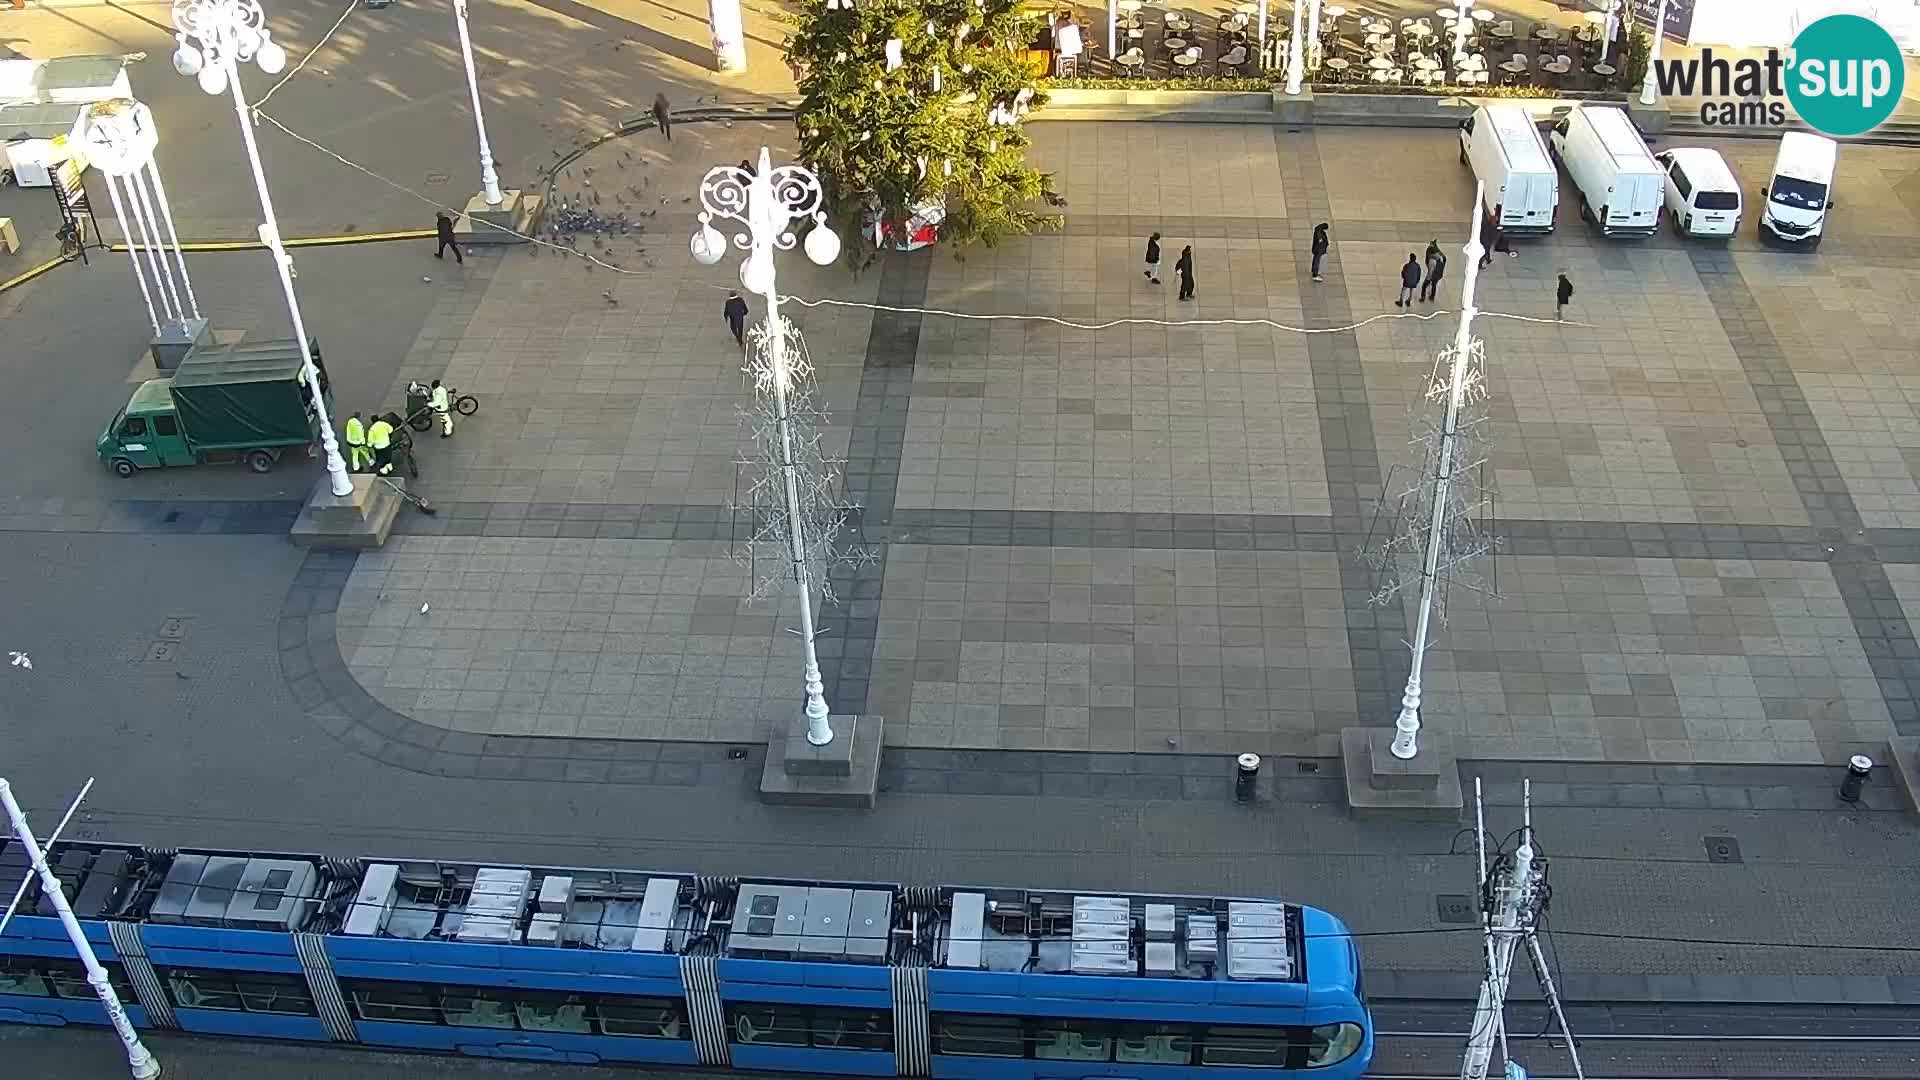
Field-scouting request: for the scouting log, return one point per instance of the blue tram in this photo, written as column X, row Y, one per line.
column 594, row 965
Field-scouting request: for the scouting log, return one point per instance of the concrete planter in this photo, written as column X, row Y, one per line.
column 1207, row 106
column 1275, row 106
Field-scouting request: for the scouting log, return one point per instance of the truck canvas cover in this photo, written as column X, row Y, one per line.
column 243, row 394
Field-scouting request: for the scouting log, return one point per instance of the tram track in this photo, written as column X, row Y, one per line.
column 1435, row 1055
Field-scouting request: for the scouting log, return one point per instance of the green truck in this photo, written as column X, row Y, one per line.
column 225, row 403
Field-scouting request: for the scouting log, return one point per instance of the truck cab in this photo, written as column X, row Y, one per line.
column 146, row 434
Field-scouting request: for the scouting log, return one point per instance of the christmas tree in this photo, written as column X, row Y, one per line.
column 914, row 107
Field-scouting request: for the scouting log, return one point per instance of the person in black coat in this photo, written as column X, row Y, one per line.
column 1320, row 246
column 1562, row 295
column 1184, row 267
column 736, row 313
column 1409, row 281
column 443, row 228
column 663, row 116
column 1153, row 259
column 1436, row 266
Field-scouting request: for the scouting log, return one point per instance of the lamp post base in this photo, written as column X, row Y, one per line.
column 844, row 772
column 483, row 223
column 360, row 520
column 1652, row 119
column 1426, row 786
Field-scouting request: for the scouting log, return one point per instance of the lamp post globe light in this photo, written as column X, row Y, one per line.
column 769, row 202
column 215, row 37
column 1659, row 30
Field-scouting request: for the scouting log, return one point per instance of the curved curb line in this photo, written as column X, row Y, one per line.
column 23, row 278
column 334, row 701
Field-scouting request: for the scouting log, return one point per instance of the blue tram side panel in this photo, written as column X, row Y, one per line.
column 598, row 965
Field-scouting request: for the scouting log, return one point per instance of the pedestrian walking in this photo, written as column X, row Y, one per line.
column 1562, row 295
column 1153, row 259
column 1320, row 246
column 356, row 432
column 1489, row 235
column 663, row 116
column 380, row 438
column 736, row 314
column 440, row 402
column 1436, row 266
column 1409, row 280
column 1184, row 267
column 443, row 229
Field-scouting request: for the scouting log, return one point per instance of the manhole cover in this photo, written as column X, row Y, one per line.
column 174, row 628
column 736, row 753
column 436, row 178
column 1455, row 909
column 1307, row 768
column 160, row 650
column 1722, row 849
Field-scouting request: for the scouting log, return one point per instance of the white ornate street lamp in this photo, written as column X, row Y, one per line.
column 489, row 179
column 139, row 1060
column 1462, row 23
column 1313, row 36
column 215, row 38
column 1407, row 725
column 1653, row 57
column 769, row 202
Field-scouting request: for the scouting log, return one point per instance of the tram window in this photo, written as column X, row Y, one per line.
column 286, row 994
column 769, row 1025
column 473, row 1006
column 978, row 1036
column 1245, row 1046
column 1331, row 1044
column 551, row 1012
column 1153, row 1044
column 1071, row 1040
column 852, row 1029
column 19, row 975
column 193, row 988
column 646, row 1018
column 69, row 979
column 406, row 1003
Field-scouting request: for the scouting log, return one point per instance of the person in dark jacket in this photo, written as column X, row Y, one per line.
column 1436, row 266
column 1409, row 281
column 443, row 228
column 663, row 115
column 1489, row 235
column 736, row 313
column 1320, row 246
column 1184, row 267
column 1153, row 259
column 1562, row 295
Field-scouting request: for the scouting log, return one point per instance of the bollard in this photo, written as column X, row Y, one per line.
column 1245, row 775
column 1857, row 769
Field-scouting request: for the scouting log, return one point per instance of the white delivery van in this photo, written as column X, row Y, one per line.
column 1620, row 185
column 1508, row 158
column 1800, row 191
column 1703, row 198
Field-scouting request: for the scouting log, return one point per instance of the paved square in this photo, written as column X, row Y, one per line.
column 1140, row 534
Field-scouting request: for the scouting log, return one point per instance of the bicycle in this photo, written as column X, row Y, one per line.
column 420, row 418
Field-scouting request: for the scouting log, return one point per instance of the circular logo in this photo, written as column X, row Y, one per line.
column 1846, row 75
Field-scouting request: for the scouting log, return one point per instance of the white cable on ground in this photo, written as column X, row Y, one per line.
column 1421, row 316
column 303, row 60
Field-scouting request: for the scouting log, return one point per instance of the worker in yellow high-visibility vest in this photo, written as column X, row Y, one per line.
column 380, row 437
column 357, row 455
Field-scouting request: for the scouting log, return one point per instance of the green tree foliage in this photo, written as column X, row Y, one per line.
column 888, row 141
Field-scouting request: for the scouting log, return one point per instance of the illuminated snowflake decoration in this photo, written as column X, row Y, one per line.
column 1404, row 523
column 777, row 535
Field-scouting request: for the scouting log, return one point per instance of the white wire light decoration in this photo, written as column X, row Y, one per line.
column 763, row 546
column 1405, row 519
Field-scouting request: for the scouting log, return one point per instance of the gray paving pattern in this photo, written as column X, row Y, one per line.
column 1142, row 540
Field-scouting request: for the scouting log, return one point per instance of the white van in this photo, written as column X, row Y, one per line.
column 1800, row 192
column 1508, row 158
column 1621, row 186
column 1703, row 198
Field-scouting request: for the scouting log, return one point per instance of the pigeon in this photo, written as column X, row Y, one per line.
column 427, row 279
column 423, row 607
column 20, row 660
column 609, row 297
